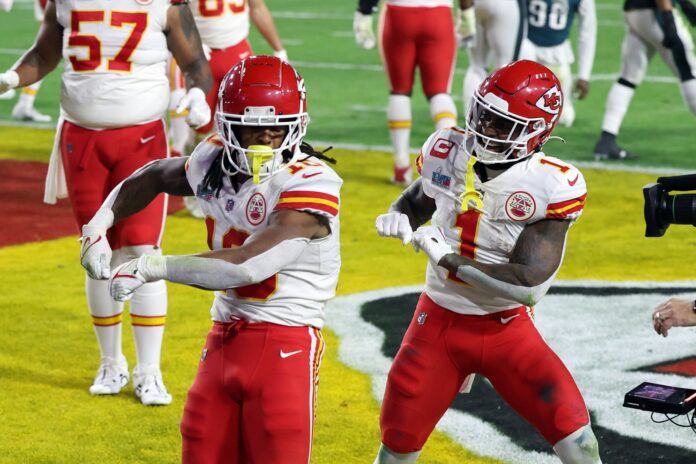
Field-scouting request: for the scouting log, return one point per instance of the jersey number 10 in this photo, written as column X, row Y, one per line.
column 232, row 238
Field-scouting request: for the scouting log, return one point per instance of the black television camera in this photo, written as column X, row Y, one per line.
column 663, row 209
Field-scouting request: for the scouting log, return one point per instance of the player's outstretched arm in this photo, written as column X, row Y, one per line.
column 412, row 209
column 262, row 19
column 41, row 58
column 526, row 278
column 265, row 253
column 127, row 198
column 185, row 44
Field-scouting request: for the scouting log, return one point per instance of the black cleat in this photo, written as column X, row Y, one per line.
column 607, row 149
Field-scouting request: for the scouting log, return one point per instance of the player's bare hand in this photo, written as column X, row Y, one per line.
column 95, row 252
column 8, row 81
column 394, row 225
column 674, row 312
column 198, row 110
column 689, row 10
column 582, row 88
column 465, row 28
column 432, row 241
column 362, row 28
column 126, row 280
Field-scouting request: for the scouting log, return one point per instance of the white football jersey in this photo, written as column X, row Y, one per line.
column 115, row 54
column 221, row 23
column 297, row 294
column 540, row 187
column 420, row 3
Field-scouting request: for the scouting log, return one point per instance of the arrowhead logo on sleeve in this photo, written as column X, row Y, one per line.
column 551, row 101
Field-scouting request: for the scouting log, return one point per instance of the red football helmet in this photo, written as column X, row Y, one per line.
column 514, row 111
column 261, row 91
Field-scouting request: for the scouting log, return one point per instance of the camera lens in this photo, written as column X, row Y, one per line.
column 683, row 209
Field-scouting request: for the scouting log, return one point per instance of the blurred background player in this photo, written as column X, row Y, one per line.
column 651, row 26
column 550, row 22
column 24, row 108
column 104, row 136
column 273, row 224
column 224, row 30
column 413, row 34
column 501, row 210
column 500, row 32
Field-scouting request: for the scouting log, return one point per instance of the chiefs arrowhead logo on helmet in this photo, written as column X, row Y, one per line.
column 551, row 101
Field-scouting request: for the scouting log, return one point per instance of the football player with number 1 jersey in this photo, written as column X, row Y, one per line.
column 113, row 98
column 271, row 213
column 500, row 211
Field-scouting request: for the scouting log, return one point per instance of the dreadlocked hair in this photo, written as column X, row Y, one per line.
column 213, row 178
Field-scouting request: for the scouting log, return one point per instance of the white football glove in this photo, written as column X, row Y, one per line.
column 6, row 5
column 282, row 54
column 466, row 28
column 431, row 240
column 127, row 279
column 8, row 81
column 198, row 109
column 394, row 225
column 95, row 252
column 362, row 28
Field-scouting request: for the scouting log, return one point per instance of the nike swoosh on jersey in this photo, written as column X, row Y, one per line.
column 144, row 140
column 308, row 175
column 572, row 182
column 505, row 320
column 284, row 355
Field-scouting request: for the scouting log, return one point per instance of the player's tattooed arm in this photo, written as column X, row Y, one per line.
column 45, row 54
column 185, row 44
column 533, row 263
column 415, row 204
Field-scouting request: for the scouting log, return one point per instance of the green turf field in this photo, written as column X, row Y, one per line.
column 48, row 354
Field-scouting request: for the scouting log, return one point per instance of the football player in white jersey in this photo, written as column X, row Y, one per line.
column 652, row 26
column 413, row 34
column 24, row 108
column 114, row 95
column 271, row 212
column 500, row 211
column 550, row 22
column 499, row 38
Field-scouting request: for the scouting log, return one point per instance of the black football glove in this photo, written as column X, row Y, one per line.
column 689, row 10
column 669, row 27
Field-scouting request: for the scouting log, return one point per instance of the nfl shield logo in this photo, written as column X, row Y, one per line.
column 230, row 205
column 204, row 354
column 421, row 318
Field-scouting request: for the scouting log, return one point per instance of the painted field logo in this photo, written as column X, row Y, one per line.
column 520, row 206
column 256, row 209
column 440, row 179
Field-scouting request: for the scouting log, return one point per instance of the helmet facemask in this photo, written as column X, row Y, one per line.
column 259, row 161
column 498, row 136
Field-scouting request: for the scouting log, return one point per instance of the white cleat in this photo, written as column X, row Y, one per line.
column 193, row 207
column 149, row 387
column 111, row 377
column 9, row 95
column 29, row 113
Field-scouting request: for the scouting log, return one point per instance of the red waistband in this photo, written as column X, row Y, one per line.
column 428, row 303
